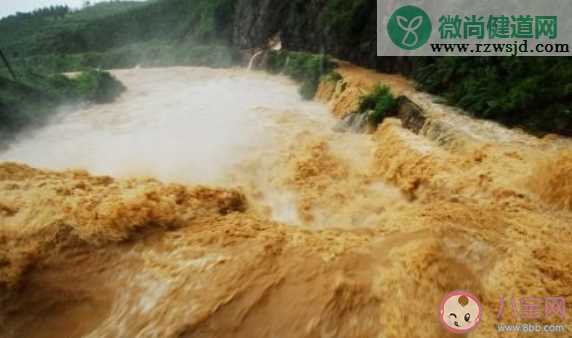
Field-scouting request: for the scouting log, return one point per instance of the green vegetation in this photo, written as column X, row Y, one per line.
column 303, row 67
column 54, row 29
column 345, row 20
column 119, row 35
column 332, row 77
column 380, row 103
column 531, row 92
column 20, row 105
column 97, row 86
column 47, row 42
column 149, row 54
column 105, row 26
column 35, row 97
column 91, row 85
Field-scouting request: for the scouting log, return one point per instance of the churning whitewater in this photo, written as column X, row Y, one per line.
column 176, row 124
column 217, row 203
column 201, row 126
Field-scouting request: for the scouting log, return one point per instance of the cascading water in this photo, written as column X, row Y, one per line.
column 252, row 61
column 303, row 232
column 195, row 126
column 354, row 122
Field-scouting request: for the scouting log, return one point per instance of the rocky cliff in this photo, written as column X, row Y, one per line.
column 256, row 21
column 529, row 93
column 345, row 29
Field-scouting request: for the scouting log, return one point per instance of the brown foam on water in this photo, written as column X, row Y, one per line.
column 388, row 223
column 552, row 180
column 193, row 262
column 44, row 205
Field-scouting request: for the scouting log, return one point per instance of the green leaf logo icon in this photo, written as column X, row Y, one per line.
column 409, row 27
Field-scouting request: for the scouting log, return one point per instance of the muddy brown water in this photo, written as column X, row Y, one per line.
column 216, row 203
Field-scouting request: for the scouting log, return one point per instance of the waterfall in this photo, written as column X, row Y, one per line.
column 354, row 123
column 253, row 59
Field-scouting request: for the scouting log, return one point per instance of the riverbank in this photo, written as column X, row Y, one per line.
column 31, row 100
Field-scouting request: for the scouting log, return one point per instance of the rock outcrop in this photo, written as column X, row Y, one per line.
column 256, row 22
column 313, row 26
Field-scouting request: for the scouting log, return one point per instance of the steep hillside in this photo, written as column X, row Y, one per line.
column 54, row 29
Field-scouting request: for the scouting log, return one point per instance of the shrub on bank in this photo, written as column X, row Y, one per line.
column 20, row 105
column 34, row 97
column 532, row 92
column 98, row 86
column 305, row 68
column 91, row 85
column 380, row 102
column 332, row 77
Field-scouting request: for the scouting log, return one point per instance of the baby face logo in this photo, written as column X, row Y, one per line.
column 409, row 27
column 460, row 311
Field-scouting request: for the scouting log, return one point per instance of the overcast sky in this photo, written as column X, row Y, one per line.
column 8, row 7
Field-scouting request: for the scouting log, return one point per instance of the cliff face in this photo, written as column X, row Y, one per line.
column 256, row 21
column 347, row 30
column 344, row 29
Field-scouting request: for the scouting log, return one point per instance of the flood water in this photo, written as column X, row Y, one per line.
column 175, row 124
column 203, row 126
column 298, row 231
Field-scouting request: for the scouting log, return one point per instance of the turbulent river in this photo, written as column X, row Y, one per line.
column 176, row 124
column 203, row 126
column 217, row 203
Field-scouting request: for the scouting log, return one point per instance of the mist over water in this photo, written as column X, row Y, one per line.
column 189, row 125
column 444, row 209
